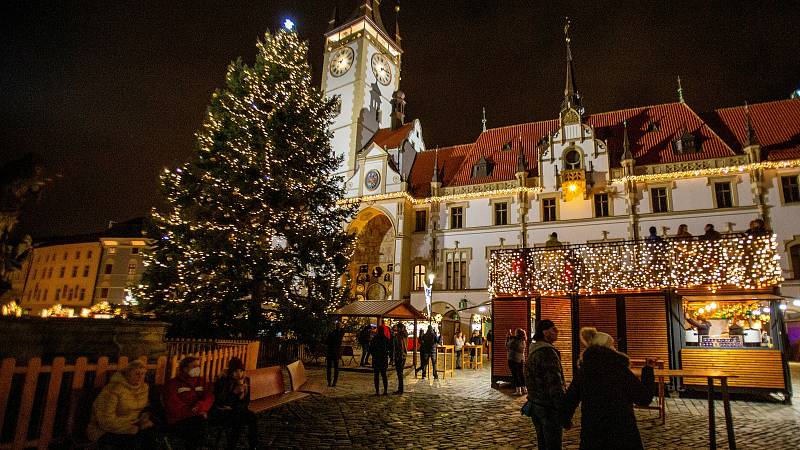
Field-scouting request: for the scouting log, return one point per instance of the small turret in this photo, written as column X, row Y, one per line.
column 435, row 183
column 398, row 109
column 628, row 161
column 751, row 145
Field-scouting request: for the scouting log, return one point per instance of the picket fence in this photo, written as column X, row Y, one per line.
column 45, row 404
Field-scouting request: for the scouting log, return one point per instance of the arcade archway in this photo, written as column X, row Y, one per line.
column 371, row 271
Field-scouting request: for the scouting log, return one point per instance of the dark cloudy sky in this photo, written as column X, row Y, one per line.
column 109, row 93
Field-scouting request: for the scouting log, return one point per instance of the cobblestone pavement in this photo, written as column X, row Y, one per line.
column 466, row 412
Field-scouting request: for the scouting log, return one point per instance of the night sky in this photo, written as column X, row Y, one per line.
column 109, row 93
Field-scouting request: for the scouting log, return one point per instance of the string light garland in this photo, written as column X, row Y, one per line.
column 747, row 262
column 441, row 198
column 716, row 171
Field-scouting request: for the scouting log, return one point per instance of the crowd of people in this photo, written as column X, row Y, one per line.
column 123, row 415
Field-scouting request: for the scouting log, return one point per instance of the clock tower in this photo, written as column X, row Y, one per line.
column 362, row 68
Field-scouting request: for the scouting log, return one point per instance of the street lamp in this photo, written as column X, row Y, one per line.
column 429, row 291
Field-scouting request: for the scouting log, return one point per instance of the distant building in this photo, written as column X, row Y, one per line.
column 80, row 271
column 121, row 265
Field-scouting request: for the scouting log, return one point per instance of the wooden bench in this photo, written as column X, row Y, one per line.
column 297, row 376
column 661, row 406
column 267, row 390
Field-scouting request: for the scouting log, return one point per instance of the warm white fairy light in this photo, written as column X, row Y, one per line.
column 748, row 262
column 441, row 198
column 716, row 171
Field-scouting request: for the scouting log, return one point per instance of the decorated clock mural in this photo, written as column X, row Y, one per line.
column 372, row 180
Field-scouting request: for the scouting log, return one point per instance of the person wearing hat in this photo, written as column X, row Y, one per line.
column 607, row 390
column 231, row 401
column 544, row 378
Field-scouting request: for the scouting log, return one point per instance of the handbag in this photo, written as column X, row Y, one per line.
column 526, row 409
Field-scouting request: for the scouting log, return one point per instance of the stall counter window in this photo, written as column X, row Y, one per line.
column 712, row 322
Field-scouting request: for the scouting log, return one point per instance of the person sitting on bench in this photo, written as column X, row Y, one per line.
column 187, row 400
column 231, row 399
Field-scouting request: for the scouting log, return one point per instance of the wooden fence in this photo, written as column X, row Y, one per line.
column 42, row 404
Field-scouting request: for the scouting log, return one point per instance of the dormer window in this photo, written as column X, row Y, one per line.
column 482, row 168
column 572, row 160
column 686, row 143
column 653, row 126
column 507, row 146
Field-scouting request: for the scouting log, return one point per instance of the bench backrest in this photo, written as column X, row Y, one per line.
column 297, row 374
column 265, row 382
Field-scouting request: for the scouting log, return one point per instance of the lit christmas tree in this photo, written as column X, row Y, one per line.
column 252, row 240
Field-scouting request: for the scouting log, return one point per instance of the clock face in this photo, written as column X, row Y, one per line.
column 382, row 68
column 341, row 61
column 372, row 180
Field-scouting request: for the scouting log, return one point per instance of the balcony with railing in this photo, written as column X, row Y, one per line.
column 733, row 261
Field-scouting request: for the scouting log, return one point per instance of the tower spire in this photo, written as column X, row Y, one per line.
column 435, row 177
column 370, row 9
column 334, row 20
column 483, row 121
column 626, row 143
column 397, row 23
column 572, row 98
column 680, row 90
column 750, row 132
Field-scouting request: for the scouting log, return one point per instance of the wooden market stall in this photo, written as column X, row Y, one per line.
column 401, row 310
column 641, row 294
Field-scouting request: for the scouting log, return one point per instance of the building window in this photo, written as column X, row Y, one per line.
column 62, row 272
column 457, row 217
column 69, row 294
column 601, row 205
column 89, row 254
column 791, row 189
column 58, row 294
column 723, row 194
column 104, row 293
column 108, row 269
column 659, row 199
column 112, row 250
column 132, row 269
column 78, row 254
column 419, row 276
column 85, row 271
column 82, row 295
column 135, row 251
column 74, row 271
column 549, row 210
column 34, row 274
column 501, row 213
column 420, row 220
column 456, row 270
column 65, row 256
column 44, row 295
column 50, row 272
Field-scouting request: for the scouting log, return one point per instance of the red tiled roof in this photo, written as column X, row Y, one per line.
column 388, row 138
column 777, row 126
column 651, row 130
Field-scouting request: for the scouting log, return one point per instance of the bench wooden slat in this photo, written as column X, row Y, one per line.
column 753, row 368
column 274, row 401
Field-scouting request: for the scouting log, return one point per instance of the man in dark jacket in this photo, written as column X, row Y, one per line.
column 544, row 379
column 380, row 347
column 399, row 350
column 607, row 390
column 363, row 341
column 333, row 353
column 427, row 350
column 231, row 399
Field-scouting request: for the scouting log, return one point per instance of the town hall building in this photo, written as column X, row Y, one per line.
column 591, row 177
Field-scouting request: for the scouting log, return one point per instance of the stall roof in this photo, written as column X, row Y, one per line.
column 393, row 309
column 732, row 297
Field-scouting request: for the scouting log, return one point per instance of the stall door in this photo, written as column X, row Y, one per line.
column 601, row 313
column 646, row 328
column 507, row 314
column 558, row 310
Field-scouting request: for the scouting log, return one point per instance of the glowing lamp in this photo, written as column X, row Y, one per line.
column 796, row 302
column 782, row 306
column 288, row 24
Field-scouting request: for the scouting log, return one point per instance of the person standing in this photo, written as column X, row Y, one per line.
column 476, row 339
column 544, row 378
column 607, row 390
column 333, row 353
column 515, row 345
column 489, row 344
column 758, row 228
column 363, row 341
column 653, row 236
column 683, row 232
column 231, row 401
column 552, row 241
column 380, row 347
column 710, row 233
column 399, row 350
column 187, row 400
column 458, row 347
column 427, row 350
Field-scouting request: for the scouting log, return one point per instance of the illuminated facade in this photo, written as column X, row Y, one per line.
column 589, row 177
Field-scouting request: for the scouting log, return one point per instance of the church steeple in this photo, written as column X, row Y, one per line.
column 750, row 132
column 435, row 177
column 572, row 98
column 483, row 121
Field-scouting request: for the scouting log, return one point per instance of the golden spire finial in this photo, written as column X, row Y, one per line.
column 566, row 29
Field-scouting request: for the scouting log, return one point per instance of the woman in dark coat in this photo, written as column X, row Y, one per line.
column 380, row 348
column 607, row 390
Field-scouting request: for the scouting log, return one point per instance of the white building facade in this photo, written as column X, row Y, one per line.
column 589, row 178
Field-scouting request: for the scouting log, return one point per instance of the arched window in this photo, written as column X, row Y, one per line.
column 419, row 276
column 572, row 160
column 794, row 259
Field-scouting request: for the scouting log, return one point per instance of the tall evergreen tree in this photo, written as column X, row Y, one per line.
column 252, row 238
